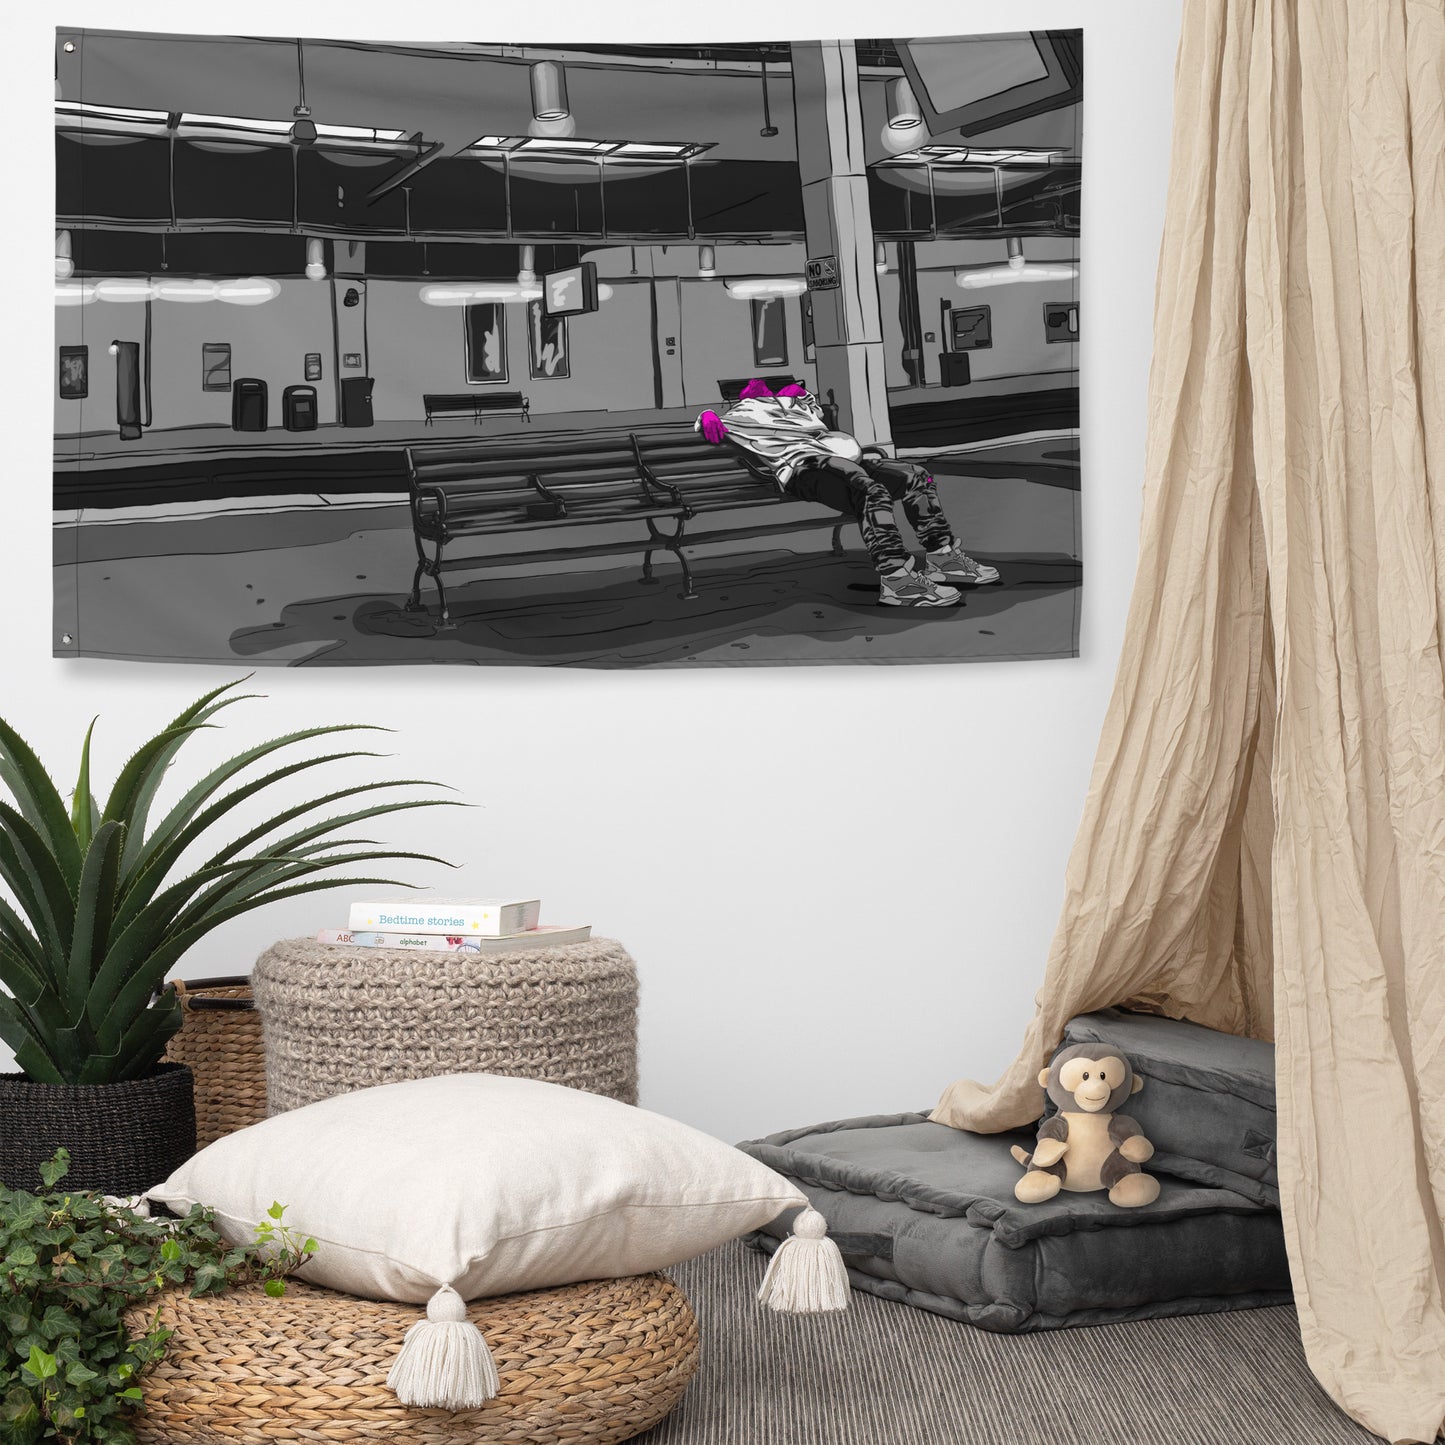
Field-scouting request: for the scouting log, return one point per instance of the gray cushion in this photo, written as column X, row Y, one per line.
column 1207, row 1104
column 926, row 1214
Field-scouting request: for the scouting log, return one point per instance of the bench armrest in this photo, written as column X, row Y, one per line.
column 429, row 504
column 649, row 478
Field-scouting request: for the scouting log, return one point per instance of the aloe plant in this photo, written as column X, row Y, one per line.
column 106, row 900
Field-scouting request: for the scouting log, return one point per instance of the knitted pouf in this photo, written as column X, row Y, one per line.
column 339, row 1018
column 588, row 1364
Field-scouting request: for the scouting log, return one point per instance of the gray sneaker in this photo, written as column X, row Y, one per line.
column 955, row 568
column 912, row 588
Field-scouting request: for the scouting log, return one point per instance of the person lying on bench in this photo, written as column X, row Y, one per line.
column 787, row 433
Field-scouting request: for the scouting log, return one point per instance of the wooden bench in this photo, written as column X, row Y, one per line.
column 475, row 404
column 662, row 478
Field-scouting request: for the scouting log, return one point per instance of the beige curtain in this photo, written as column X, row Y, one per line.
column 1263, row 845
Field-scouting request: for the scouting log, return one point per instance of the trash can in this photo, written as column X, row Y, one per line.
column 248, row 404
column 954, row 368
column 298, row 408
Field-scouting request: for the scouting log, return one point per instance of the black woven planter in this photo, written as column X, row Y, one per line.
column 122, row 1138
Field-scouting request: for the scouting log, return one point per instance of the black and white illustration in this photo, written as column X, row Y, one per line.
column 615, row 355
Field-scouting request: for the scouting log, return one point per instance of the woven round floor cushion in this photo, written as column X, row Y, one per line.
column 587, row 1364
column 339, row 1018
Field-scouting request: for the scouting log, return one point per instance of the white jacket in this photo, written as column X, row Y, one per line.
column 785, row 433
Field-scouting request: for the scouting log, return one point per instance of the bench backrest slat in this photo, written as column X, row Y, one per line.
column 485, row 483
column 570, row 444
column 469, row 401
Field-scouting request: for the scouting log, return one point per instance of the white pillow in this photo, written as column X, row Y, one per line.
column 484, row 1183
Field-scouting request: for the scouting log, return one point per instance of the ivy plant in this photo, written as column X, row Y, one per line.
column 72, row 1368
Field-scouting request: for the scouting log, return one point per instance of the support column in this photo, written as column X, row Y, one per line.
column 349, row 334
column 910, row 317
column 847, row 320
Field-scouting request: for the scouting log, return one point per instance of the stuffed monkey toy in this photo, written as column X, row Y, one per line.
column 1086, row 1145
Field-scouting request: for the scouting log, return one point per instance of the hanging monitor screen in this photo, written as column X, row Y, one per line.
column 571, row 292
column 984, row 82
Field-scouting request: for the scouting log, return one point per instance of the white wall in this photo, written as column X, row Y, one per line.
column 1020, row 345
column 265, row 343
column 416, row 348
column 717, row 341
column 269, row 342
column 818, row 935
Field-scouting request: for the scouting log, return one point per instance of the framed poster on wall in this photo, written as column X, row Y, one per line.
column 546, row 343
column 74, row 373
column 590, row 388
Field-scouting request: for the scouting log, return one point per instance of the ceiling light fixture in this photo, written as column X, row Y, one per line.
column 185, row 289
column 64, row 264
column 123, row 289
column 83, row 111
column 303, row 128
column 549, row 90
column 250, row 126
column 75, row 293
column 468, row 293
column 315, row 259
column 769, row 129
column 960, row 155
column 748, row 287
column 236, row 291
column 1014, row 271
column 556, row 138
column 551, row 113
column 880, row 257
column 526, row 275
column 706, row 262
column 248, row 290
column 565, row 146
column 905, row 121
column 903, row 109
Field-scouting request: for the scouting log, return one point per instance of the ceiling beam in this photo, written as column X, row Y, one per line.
column 424, row 159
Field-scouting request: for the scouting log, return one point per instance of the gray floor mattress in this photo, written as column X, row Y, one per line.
column 926, row 1214
column 1208, row 1102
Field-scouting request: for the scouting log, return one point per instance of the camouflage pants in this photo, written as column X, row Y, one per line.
column 867, row 490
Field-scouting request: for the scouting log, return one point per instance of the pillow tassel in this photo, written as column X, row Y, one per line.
column 806, row 1275
column 444, row 1362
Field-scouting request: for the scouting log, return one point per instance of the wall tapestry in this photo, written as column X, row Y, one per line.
column 609, row 355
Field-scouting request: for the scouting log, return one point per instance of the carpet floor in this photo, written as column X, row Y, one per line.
column 888, row 1374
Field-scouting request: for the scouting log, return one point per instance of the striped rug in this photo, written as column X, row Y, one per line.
column 888, row 1374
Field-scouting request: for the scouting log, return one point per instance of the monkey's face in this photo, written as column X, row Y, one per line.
column 1089, row 1079
column 1092, row 1081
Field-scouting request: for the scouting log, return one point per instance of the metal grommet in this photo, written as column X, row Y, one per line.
column 69, row 47
column 66, row 638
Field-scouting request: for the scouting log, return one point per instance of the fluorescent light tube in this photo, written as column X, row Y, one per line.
column 747, row 287
column 466, row 293
column 976, row 278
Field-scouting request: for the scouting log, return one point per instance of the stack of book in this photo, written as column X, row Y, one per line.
column 486, row 925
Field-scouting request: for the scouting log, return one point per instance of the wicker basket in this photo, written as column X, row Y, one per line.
column 588, row 1364
column 343, row 1018
column 220, row 1039
column 123, row 1138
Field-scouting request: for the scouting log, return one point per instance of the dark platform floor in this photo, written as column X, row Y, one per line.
column 317, row 584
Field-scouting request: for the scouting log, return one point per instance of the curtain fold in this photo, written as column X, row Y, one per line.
column 1263, row 844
